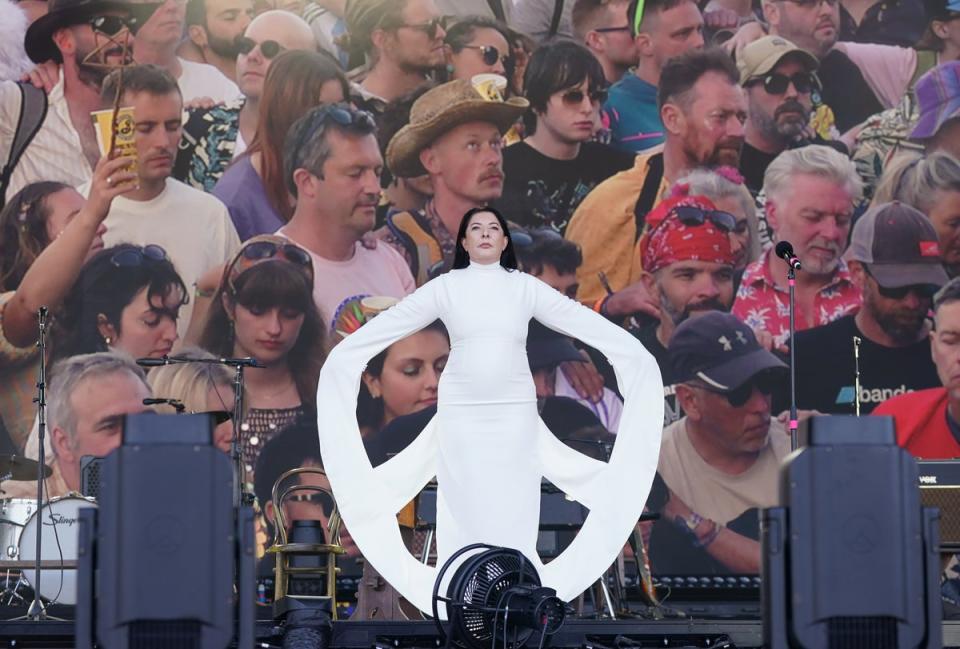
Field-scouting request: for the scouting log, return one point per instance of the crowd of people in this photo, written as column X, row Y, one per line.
column 299, row 166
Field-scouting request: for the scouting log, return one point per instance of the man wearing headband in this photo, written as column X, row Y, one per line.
column 87, row 38
column 662, row 29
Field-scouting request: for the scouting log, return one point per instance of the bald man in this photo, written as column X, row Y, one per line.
column 213, row 137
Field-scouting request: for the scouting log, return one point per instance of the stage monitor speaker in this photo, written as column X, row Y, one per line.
column 165, row 543
column 940, row 488
column 850, row 558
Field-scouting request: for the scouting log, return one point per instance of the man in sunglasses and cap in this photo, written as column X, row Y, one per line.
column 894, row 260
column 721, row 461
column 88, row 39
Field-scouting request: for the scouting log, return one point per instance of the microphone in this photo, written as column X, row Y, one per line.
column 153, row 362
column 176, row 403
column 785, row 252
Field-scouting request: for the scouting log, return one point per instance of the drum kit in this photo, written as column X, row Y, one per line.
column 20, row 523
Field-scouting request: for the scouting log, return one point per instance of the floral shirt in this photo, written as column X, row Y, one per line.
column 208, row 144
column 763, row 305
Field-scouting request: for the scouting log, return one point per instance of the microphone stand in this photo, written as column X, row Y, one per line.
column 37, row 611
column 792, row 282
column 240, row 495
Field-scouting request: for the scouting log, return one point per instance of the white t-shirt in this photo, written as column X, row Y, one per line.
column 204, row 80
column 193, row 227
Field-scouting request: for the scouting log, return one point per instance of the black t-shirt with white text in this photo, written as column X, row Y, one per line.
column 542, row 191
column 825, row 369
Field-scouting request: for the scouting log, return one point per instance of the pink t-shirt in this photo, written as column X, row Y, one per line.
column 887, row 69
column 339, row 285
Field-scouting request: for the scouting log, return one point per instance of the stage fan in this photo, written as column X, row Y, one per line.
column 495, row 597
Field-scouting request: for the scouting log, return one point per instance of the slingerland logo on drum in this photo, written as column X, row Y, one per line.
column 869, row 395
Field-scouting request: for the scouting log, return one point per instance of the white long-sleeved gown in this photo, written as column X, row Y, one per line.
column 486, row 445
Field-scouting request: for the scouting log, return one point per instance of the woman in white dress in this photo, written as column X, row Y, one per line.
column 486, row 445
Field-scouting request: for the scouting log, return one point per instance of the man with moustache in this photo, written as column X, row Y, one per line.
column 214, row 137
column 87, row 39
column 193, row 227
column 778, row 78
column 703, row 110
column 894, row 259
column 811, row 193
column 212, row 30
column 455, row 134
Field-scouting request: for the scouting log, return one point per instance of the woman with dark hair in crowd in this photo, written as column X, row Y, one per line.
column 47, row 232
column 478, row 45
column 264, row 308
column 254, row 188
column 403, row 378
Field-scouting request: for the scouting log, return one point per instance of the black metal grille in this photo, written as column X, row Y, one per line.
column 166, row 634
column 862, row 632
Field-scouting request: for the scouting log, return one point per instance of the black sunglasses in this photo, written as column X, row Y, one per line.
column 923, row 291
column 575, row 97
column 268, row 48
column 692, row 215
column 133, row 257
column 765, row 382
column 776, row 83
column 113, row 25
column 607, row 30
column 489, row 54
column 260, row 250
column 429, row 28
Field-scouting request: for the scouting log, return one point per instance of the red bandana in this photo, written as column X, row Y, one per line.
column 667, row 240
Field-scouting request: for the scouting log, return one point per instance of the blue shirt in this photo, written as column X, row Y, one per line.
column 633, row 116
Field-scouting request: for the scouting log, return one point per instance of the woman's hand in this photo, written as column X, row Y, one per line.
column 584, row 378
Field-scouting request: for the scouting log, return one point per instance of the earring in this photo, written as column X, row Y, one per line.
column 107, row 340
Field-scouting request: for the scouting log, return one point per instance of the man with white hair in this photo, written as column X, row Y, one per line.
column 89, row 396
column 811, row 193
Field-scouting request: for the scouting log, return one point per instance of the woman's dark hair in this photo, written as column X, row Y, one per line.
column 263, row 287
column 370, row 410
column 106, row 287
column 555, row 67
column 291, row 89
column 460, row 33
column 547, row 247
column 461, row 259
column 23, row 231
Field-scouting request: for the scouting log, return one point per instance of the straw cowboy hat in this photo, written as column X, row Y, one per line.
column 443, row 108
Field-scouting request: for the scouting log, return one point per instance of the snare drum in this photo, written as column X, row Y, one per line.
column 60, row 517
column 14, row 513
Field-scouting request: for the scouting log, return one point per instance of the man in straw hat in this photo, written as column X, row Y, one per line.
column 455, row 135
column 87, row 38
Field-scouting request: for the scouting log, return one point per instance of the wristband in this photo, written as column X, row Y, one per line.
column 198, row 292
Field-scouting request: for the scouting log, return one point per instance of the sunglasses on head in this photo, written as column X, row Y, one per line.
column 340, row 115
column 112, row 25
column 260, row 251
column 268, row 48
column 776, row 83
column 133, row 257
column 923, row 291
column 430, row 28
column 692, row 215
column 489, row 54
column 575, row 97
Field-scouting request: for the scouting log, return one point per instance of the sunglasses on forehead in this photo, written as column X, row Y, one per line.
column 692, row 215
column 489, row 54
column 777, row 84
column 268, row 48
column 260, row 251
column 113, row 25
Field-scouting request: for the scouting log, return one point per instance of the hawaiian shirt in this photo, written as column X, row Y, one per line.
column 764, row 306
column 207, row 145
column 446, row 240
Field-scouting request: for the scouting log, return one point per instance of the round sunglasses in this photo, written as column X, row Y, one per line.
column 112, row 25
column 575, row 97
column 489, row 54
column 268, row 48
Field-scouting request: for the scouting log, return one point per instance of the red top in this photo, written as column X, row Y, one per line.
column 921, row 421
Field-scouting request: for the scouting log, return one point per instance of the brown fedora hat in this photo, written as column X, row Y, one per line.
column 443, row 108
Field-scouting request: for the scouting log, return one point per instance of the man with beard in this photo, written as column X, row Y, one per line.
column 894, row 260
column 778, row 78
column 602, row 26
column 193, row 228
column 703, row 110
column 212, row 29
column 402, row 42
column 811, row 193
column 688, row 268
column 87, row 38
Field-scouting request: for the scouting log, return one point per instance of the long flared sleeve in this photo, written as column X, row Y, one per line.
column 616, row 494
column 369, row 498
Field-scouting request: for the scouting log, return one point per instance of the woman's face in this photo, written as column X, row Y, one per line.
column 63, row 205
column 331, row 92
column 470, row 60
column 266, row 334
column 484, row 239
column 147, row 327
column 740, row 237
column 220, row 399
column 411, row 374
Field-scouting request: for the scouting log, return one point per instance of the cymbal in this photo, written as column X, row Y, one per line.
column 15, row 467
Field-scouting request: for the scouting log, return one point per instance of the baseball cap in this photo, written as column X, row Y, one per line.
column 720, row 350
column 938, row 99
column 762, row 55
column 900, row 245
column 546, row 347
